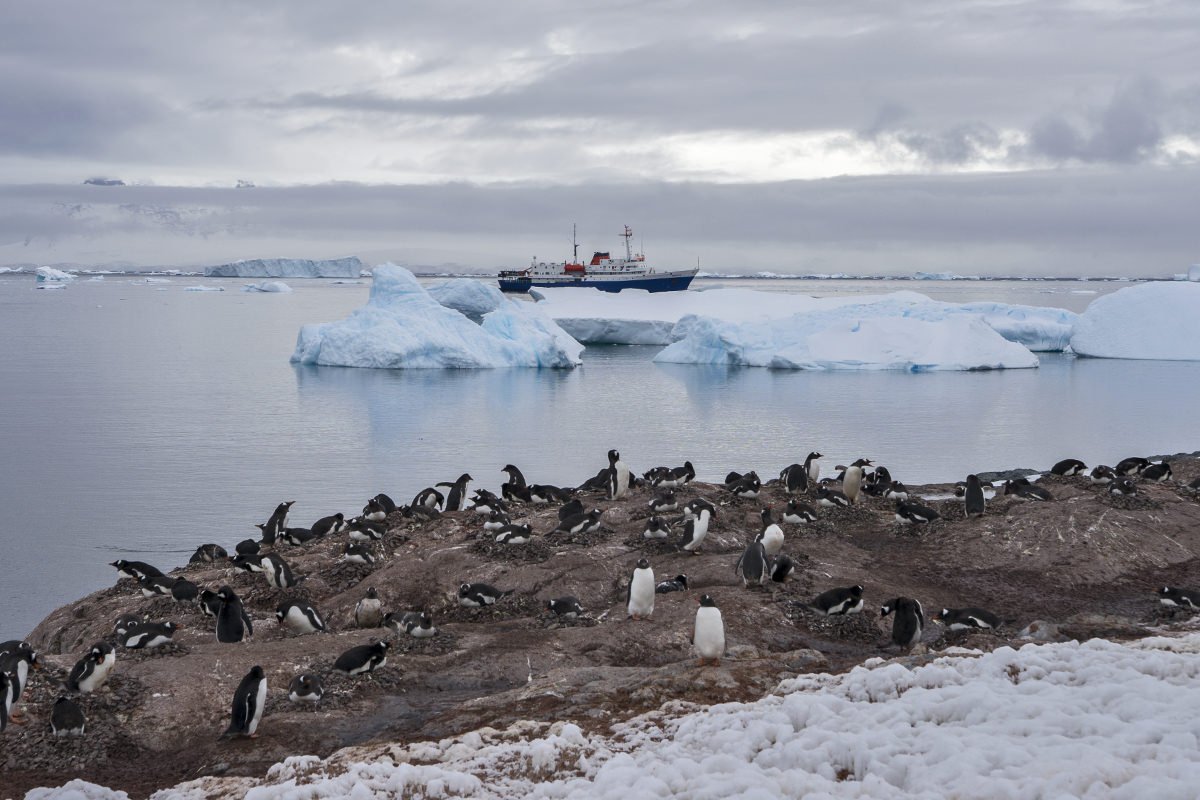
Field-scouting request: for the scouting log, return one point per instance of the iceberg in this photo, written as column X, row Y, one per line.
column 471, row 297
column 403, row 327
column 1159, row 321
column 45, row 274
column 288, row 268
column 1194, row 273
column 278, row 287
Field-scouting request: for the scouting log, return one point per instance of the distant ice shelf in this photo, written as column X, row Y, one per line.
column 351, row 267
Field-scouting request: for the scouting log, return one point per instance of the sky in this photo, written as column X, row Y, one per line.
column 980, row 137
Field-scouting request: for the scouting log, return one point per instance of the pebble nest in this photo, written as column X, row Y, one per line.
column 535, row 551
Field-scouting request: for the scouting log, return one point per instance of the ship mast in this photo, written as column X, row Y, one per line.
column 575, row 245
column 628, row 234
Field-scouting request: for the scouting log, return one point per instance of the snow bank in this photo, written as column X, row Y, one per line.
column 1151, row 321
column 639, row 317
column 52, row 274
column 288, row 268
column 469, row 296
column 892, row 332
column 403, row 327
column 278, row 287
column 1096, row 720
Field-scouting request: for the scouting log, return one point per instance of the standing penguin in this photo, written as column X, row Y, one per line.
column 91, row 672
column 618, row 476
column 640, row 596
column 794, row 478
column 752, row 565
column 909, row 622
column 813, row 468
column 248, row 700
column 278, row 521
column 368, row 612
column 772, row 534
column 974, row 503
column 701, row 513
column 852, row 480
column 456, row 498
column 233, row 623
column 709, row 634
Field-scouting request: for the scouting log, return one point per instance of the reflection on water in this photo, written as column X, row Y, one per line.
column 140, row 423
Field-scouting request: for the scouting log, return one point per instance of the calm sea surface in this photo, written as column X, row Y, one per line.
column 139, row 420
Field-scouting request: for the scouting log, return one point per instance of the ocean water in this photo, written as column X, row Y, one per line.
column 140, row 420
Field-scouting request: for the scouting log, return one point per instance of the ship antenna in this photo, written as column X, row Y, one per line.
column 575, row 245
column 628, row 252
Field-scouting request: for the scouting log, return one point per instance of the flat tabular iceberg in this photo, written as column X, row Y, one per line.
column 288, row 268
column 1151, row 321
column 402, row 327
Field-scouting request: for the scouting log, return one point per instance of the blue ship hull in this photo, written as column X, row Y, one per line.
column 663, row 283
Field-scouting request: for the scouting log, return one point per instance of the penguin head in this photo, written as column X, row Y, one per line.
column 225, row 593
column 941, row 615
column 862, row 462
column 643, row 564
column 613, row 456
column 707, row 601
column 856, row 590
column 464, row 590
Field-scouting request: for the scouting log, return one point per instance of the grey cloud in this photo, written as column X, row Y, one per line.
column 1127, row 130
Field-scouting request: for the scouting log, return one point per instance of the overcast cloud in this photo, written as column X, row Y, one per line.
column 984, row 137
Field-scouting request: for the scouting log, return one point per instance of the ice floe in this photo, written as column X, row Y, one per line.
column 1158, row 320
column 277, row 287
column 403, row 327
column 48, row 274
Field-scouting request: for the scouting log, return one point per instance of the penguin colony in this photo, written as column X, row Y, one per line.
column 762, row 564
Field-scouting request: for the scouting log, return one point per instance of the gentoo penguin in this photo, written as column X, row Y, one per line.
column 1131, row 466
column 474, row 595
column 543, row 493
column 683, row 475
column 852, row 479
column 247, row 547
column 248, row 701
column 210, row 602
column 618, row 476
column 1178, row 598
column 1123, row 486
column 364, row 530
column 570, row 509
column 908, row 623
column 514, row 534
column 747, row 486
column 277, row 572
column 17, row 661
column 597, row 483
column 831, row 498
column 485, row 502
column 567, row 606
column 417, row 624
column 135, row 569
column 896, row 491
column 430, row 498
column 580, row 523
column 974, row 503
column 124, row 622
column 843, row 600
column 208, row 554
column 701, row 513
column 782, row 568
column 378, row 508
column 1195, row 484
column 659, row 477
column 362, row 659
column 299, row 618
column 1103, row 474
column 92, row 671
column 184, row 591
column 327, row 526
column 496, row 520
column 640, row 594
column 233, row 623
column 752, row 564
column 709, row 634
column 156, row 586
column 798, row 513
column 66, row 718
column 1021, row 487
column 677, row 584
column 147, row 635
column 908, row 513
column 277, row 522
column 656, row 528
column 663, row 501
column 357, row 553
column 246, row 563
column 878, row 481
column 8, row 700
column 771, row 535
column 305, row 688
column 957, row 619
column 368, row 612
column 1068, row 467
column 794, row 479
column 456, row 498
column 1157, row 473
column 298, row 536
column 515, row 477
column 813, row 468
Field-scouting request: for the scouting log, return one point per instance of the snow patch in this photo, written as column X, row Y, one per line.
column 403, row 327
column 288, row 268
column 1151, row 321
